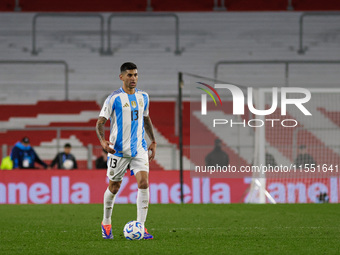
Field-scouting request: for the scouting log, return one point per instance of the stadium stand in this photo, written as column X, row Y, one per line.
column 205, row 38
column 334, row 115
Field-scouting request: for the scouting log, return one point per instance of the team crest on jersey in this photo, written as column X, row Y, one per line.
column 140, row 101
column 133, row 104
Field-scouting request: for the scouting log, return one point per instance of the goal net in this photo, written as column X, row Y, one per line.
column 283, row 142
column 300, row 152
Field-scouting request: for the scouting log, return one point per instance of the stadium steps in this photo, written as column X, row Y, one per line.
column 66, row 114
column 46, row 107
column 283, row 138
column 322, row 131
column 239, row 140
column 334, row 116
column 205, row 144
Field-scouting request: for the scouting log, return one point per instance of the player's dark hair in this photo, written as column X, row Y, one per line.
column 127, row 66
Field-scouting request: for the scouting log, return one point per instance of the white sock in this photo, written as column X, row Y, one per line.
column 142, row 204
column 109, row 199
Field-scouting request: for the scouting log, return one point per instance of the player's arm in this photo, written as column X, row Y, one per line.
column 149, row 131
column 101, row 135
column 55, row 160
column 15, row 157
column 75, row 165
column 39, row 161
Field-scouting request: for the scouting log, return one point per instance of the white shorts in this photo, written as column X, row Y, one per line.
column 117, row 166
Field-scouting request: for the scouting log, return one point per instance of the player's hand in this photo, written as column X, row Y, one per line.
column 152, row 148
column 106, row 146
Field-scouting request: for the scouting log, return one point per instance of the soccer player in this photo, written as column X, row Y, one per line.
column 128, row 110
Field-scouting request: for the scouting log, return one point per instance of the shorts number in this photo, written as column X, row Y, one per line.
column 134, row 115
column 113, row 163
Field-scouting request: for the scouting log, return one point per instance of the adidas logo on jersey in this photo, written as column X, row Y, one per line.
column 126, row 105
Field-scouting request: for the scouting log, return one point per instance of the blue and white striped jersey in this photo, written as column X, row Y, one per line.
column 126, row 113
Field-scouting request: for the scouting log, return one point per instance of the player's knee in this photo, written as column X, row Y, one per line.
column 114, row 187
column 143, row 184
column 115, row 190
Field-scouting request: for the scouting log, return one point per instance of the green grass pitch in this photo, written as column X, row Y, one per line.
column 178, row 229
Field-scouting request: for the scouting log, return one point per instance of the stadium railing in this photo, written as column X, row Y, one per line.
column 63, row 15
column 220, row 7
column 303, row 49
column 286, row 63
column 43, row 62
column 141, row 15
column 87, row 153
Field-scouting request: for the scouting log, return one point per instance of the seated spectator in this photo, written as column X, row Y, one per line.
column 65, row 160
column 101, row 162
column 24, row 156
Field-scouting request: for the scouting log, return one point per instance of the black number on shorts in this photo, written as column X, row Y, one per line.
column 113, row 163
column 134, row 115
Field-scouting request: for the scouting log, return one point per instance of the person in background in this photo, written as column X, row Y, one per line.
column 270, row 160
column 217, row 156
column 101, row 162
column 24, row 156
column 65, row 160
column 322, row 198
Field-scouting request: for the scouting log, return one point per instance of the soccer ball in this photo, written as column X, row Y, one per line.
column 68, row 164
column 134, row 230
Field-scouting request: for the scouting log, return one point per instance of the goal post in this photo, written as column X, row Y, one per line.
column 258, row 184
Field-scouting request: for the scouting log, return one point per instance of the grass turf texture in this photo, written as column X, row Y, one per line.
column 178, row 229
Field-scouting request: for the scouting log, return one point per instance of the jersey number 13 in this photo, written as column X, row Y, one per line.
column 134, row 115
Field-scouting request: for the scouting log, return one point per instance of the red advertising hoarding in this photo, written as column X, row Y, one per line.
column 86, row 186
